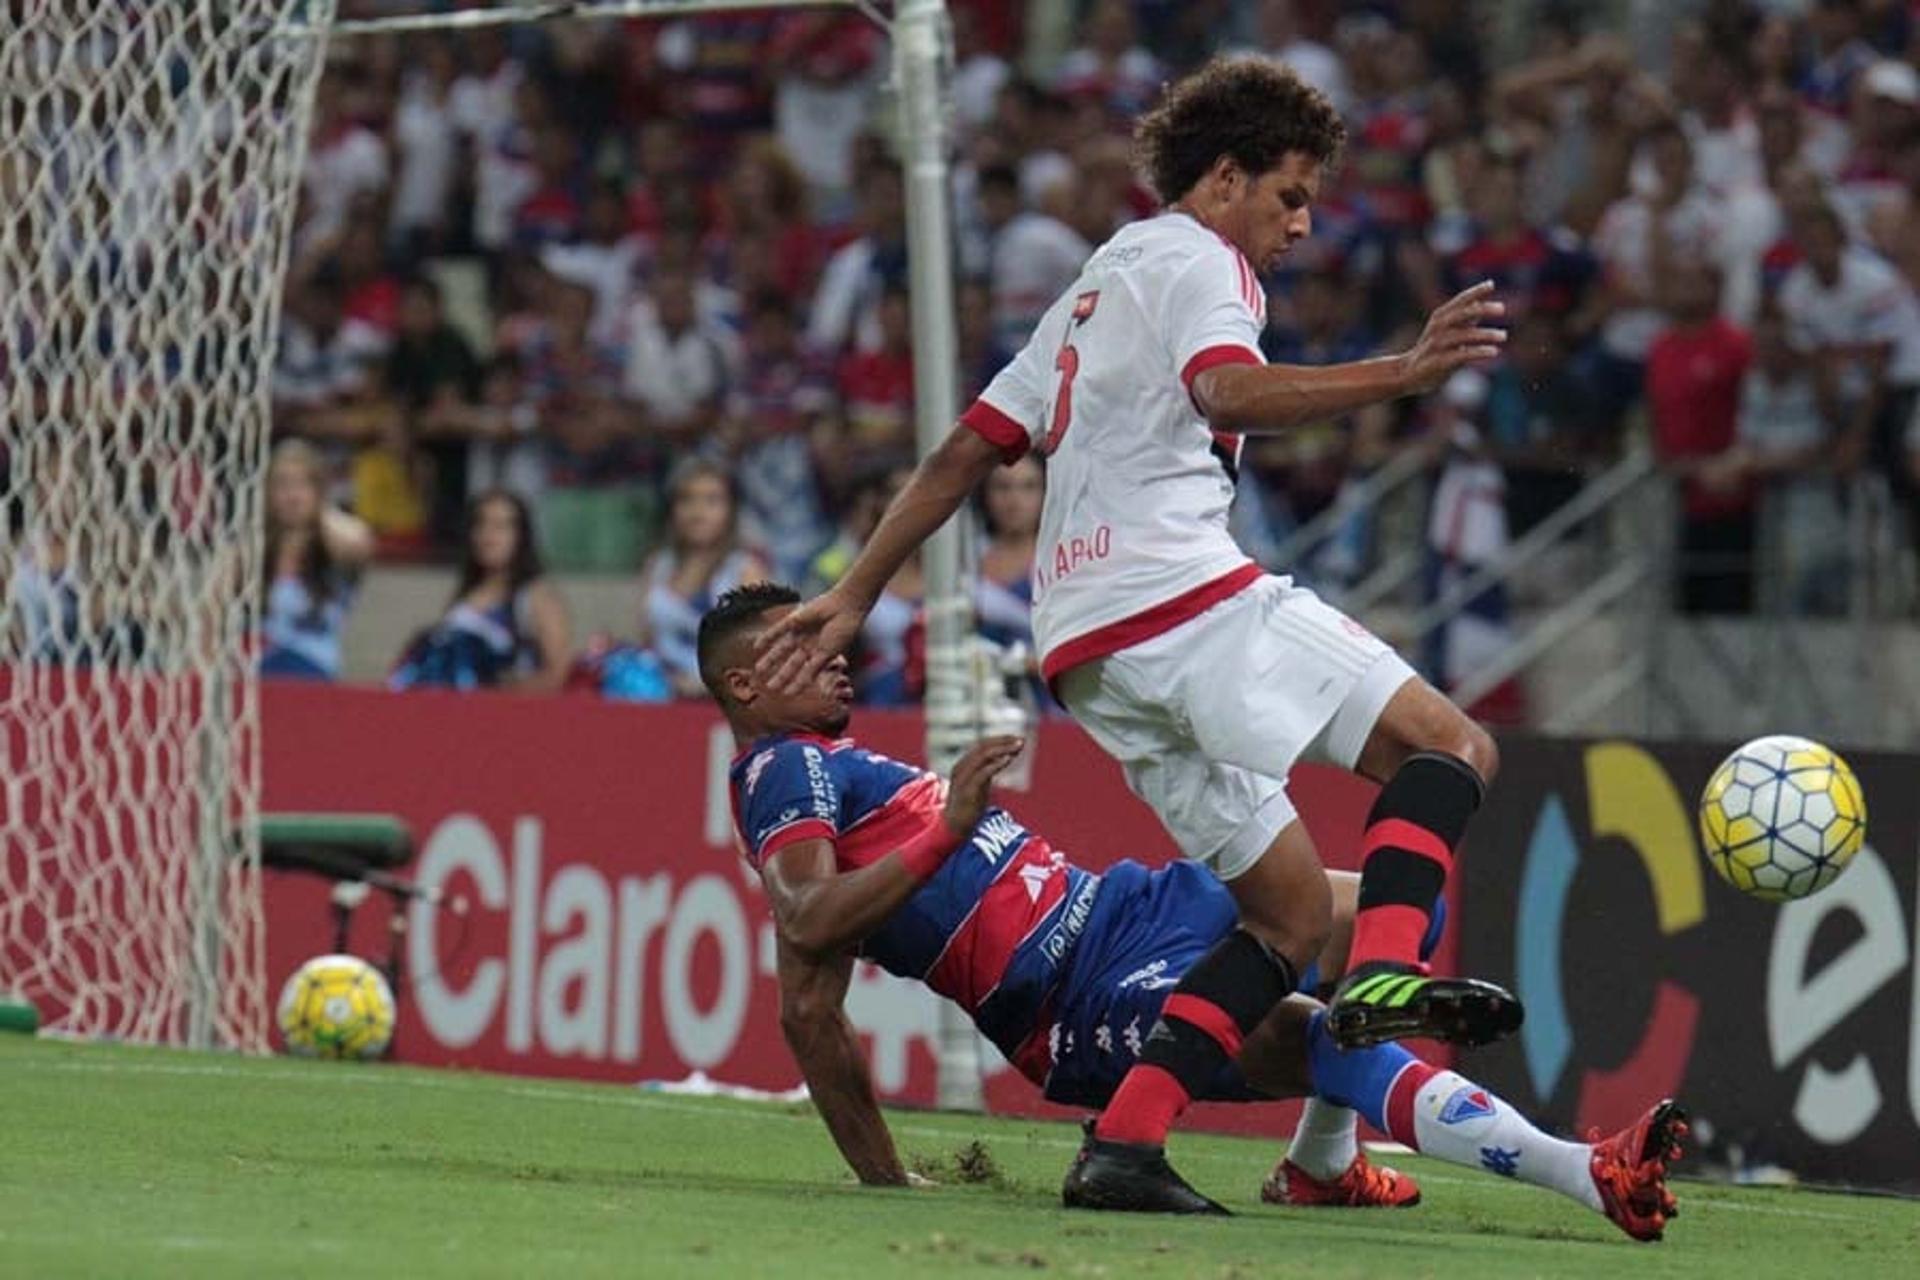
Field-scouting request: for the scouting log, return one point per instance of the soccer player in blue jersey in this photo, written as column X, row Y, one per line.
column 1064, row 970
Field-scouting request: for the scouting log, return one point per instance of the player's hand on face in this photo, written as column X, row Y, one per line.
column 1463, row 330
column 797, row 647
column 973, row 781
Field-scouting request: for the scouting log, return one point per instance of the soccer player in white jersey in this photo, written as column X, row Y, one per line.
column 1203, row 676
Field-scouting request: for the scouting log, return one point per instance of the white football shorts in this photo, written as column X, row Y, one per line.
column 1208, row 718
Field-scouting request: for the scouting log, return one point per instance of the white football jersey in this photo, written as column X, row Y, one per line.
column 1133, row 537
column 1869, row 306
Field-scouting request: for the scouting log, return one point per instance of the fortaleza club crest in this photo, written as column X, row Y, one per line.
column 1467, row 1103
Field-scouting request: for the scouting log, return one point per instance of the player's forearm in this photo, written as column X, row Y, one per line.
column 1261, row 399
column 831, row 915
column 939, row 485
column 829, row 1056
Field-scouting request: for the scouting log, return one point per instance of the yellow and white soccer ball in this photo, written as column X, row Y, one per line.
column 336, row 1007
column 1781, row 818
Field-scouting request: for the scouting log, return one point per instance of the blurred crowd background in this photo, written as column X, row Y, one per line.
column 629, row 298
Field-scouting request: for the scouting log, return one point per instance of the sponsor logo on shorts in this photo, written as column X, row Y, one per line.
column 1151, row 977
column 1466, row 1103
column 1060, row 939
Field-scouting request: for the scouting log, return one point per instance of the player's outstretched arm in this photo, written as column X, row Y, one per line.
column 1255, row 399
column 813, row 1018
column 795, row 648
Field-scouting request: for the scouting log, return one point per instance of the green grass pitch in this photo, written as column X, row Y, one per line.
column 128, row 1162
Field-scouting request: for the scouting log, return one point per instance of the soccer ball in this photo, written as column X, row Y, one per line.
column 336, row 1007
column 1781, row 818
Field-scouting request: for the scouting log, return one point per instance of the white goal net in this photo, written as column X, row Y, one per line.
column 149, row 157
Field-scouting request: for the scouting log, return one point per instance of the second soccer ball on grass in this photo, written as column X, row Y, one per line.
column 336, row 1007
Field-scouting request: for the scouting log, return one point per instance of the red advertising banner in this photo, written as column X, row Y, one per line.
column 611, row 930
column 586, row 913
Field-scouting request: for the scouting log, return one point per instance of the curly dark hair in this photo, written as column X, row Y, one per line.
column 1252, row 109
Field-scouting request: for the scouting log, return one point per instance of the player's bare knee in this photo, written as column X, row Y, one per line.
column 1464, row 740
column 1298, row 927
column 1309, row 940
column 1309, row 920
column 1478, row 751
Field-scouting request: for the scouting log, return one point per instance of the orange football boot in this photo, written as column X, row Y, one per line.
column 1630, row 1169
column 1364, row 1185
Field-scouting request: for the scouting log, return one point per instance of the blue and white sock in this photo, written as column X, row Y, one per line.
column 1327, row 1139
column 1445, row 1115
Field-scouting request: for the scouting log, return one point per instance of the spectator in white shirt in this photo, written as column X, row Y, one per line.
column 1756, row 217
column 677, row 368
column 604, row 258
column 1858, row 318
column 1032, row 257
column 978, row 73
column 846, row 308
column 428, row 142
column 1724, row 134
column 483, row 97
column 1894, row 227
column 829, row 67
column 1786, row 440
column 1670, row 219
column 505, row 172
column 346, row 160
column 1886, row 126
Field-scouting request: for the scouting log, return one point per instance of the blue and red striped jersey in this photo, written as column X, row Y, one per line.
column 994, row 927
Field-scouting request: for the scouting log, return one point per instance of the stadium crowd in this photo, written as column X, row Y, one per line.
column 630, row 297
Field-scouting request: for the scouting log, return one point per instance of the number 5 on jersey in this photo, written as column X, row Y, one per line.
column 1067, row 365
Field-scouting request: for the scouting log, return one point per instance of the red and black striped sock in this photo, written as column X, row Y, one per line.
column 1200, row 1028
column 1407, row 851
